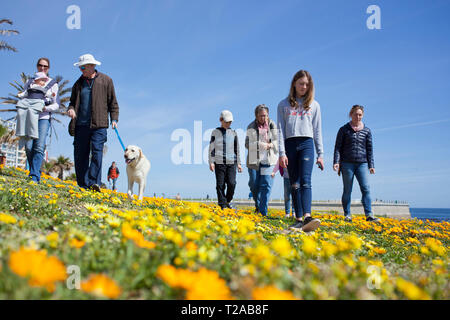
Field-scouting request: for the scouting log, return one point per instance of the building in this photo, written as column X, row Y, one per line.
column 14, row 156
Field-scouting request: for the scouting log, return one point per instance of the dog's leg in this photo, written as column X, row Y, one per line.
column 141, row 189
column 130, row 189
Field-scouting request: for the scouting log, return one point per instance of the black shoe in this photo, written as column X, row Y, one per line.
column 297, row 226
column 229, row 206
column 310, row 224
column 95, row 187
column 372, row 219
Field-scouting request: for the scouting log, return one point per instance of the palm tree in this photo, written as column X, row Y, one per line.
column 3, row 130
column 46, row 167
column 9, row 137
column 3, row 44
column 60, row 165
column 72, row 176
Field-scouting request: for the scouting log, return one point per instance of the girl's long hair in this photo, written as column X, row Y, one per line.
column 309, row 95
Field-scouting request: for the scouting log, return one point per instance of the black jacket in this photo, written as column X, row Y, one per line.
column 353, row 146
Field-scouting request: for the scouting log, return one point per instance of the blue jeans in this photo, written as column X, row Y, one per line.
column 260, row 186
column 300, row 154
column 287, row 196
column 361, row 171
column 87, row 141
column 34, row 149
column 114, row 183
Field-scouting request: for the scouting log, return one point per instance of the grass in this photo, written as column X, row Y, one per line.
column 167, row 249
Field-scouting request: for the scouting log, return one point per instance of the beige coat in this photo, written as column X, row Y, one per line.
column 253, row 146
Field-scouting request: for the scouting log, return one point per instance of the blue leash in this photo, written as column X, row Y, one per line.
column 120, row 140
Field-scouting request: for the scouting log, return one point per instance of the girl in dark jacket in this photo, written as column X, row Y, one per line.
column 353, row 156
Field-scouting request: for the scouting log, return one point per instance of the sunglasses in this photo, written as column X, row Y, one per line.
column 42, row 66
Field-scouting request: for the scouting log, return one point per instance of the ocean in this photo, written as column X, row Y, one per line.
column 434, row 214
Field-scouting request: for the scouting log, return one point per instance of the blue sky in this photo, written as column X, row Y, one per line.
column 176, row 62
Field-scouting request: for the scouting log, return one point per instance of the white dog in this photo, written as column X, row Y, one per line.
column 138, row 167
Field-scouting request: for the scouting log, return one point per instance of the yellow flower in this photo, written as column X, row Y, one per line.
column 42, row 271
column 414, row 258
column 208, row 286
column 191, row 246
column 309, row 245
column 174, row 236
column 438, row 262
column 203, row 284
column 138, row 238
column 169, row 274
column 6, row 218
column 282, row 247
column 436, row 246
column 101, row 286
column 52, row 238
column 328, row 248
column 113, row 221
column 75, row 243
column 411, row 291
column 272, row 293
column 379, row 250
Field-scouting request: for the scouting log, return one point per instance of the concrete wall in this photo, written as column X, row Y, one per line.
column 381, row 209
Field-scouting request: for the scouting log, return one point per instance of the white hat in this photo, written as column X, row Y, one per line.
column 226, row 115
column 40, row 75
column 86, row 59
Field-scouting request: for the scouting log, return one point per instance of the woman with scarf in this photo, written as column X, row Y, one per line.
column 262, row 144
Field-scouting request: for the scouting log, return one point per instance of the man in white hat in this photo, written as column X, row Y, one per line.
column 93, row 99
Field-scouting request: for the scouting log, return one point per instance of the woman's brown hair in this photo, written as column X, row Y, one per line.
column 43, row 58
column 309, row 95
column 354, row 108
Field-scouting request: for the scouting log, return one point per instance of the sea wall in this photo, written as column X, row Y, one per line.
column 398, row 210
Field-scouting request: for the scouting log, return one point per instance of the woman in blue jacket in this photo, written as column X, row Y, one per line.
column 353, row 156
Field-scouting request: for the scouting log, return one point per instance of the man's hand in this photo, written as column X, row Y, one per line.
column 71, row 114
column 211, row 167
column 283, row 160
column 114, row 124
column 372, row 170
column 239, row 168
column 336, row 167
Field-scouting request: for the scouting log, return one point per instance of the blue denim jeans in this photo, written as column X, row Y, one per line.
column 34, row 149
column 114, row 183
column 260, row 186
column 361, row 172
column 300, row 154
column 87, row 141
column 287, row 196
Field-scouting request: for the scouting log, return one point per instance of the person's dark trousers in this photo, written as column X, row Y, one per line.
column 300, row 154
column 225, row 178
column 114, row 183
column 87, row 141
